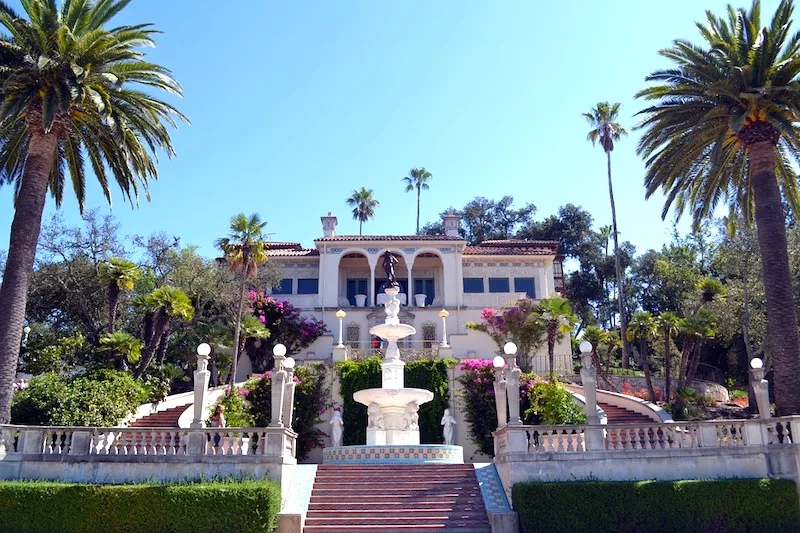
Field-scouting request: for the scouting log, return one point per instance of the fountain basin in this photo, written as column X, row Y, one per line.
column 393, row 397
column 392, row 331
column 393, row 414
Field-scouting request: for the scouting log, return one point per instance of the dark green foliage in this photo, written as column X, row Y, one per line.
column 101, row 398
column 213, row 506
column 430, row 375
column 311, row 399
column 719, row 505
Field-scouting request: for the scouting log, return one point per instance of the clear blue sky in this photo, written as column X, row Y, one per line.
column 295, row 104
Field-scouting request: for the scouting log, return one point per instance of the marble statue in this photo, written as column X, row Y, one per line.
column 337, row 427
column 412, row 416
column 389, row 260
column 448, row 421
column 375, row 416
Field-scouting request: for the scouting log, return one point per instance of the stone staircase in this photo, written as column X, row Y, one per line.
column 167, row 418
column 619, row 415
column 395, row 498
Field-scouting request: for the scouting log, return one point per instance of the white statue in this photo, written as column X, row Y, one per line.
column 412, row 416
column 448, row 421
column 337, row 427
column 375, row 416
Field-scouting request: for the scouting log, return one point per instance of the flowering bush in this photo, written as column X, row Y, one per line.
column 286, row 327
column 311, row 399
column 237, row 411
column 541, row 402
column 519, row 324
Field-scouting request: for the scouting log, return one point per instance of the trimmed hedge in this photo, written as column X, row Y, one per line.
column 718, row 505
column 191, row 507
column 428, row 374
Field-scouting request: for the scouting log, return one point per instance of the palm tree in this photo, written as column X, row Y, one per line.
column 670, row 325
column 244, row 250
column 418, row 179
column 363, row 204
column 724, row 127
column 72, row 91
column 643, row 328
column 251, row 328
column 168, row 303
column 123, row 347
column 119, row 275
column 605, row 130
column 597, row 336
column 557, row 317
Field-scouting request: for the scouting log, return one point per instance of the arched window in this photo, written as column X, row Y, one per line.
column 352, row 335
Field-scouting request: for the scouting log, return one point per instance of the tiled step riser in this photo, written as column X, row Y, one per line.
column 389, row 519
column 484, row 528
column 467, row 506
column 405, row 514
column 393, row 499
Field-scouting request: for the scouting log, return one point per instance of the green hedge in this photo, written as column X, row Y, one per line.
column 191, row 507
column 719, row 505
column 425, row 374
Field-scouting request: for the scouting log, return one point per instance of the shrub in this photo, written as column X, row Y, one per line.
column 551, row 403
column 738, row 393
column 428, row 374
column 101, row 398
column 541, row 402
column 729, row 505
column 237, row 412
column 213, row 506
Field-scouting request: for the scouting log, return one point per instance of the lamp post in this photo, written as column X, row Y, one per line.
column 288, row 392
column 500, row 391
column 512, row 387
column 444, row 314
column 760, row 387
column 201, row 377
column 589, row 381
column 340, row 315
column 278, row 383
column 27, row 331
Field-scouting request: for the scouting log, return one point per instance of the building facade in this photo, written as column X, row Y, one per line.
column 435, row 273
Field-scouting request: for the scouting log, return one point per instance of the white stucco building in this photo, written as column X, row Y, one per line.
column 435, row 272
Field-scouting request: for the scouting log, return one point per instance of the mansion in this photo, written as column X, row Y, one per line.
column 435, row 273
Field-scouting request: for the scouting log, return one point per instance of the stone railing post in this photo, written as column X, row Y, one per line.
column 201, row 377
column 81, row 443
column 589, row 380
column 500, row 393
column 755, row 434
column 760, row 387
column 278, row 384
column 512, row 388
column 32, row 440
column 288, row 393
column 708, row 436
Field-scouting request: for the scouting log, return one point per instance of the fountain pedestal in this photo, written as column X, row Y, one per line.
column 392, row 409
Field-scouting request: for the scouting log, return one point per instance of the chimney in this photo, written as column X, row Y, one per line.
column 452, row 223
column 329, row 225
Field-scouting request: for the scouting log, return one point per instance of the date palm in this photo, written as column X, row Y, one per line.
column 123, row 348
column 244, row 250
column 169, row 304
column 724, row 128
column 72, row 91
column 643, row 328
column 418, row 179
column 363, row 203
column 118, row 275
column 606, row 130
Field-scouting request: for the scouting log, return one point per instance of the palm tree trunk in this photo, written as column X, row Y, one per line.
column 623, row 322
column 237, row 333
column 551, row 344
column 113, row 302
column 685, row 353
column 25, row 230
column 783, row 341
column 360, row 225
column 419, row 192
column 651, row 391
column 692, row 373
column 159, row 329
column 667, row 365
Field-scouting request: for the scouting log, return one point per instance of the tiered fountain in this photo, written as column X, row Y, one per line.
column 393, row 425
column 392, row 409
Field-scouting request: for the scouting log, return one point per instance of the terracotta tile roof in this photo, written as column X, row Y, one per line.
column 388, row 238
column 513, row 247
column 288, row 249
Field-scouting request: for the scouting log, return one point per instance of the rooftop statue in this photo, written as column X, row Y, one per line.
column 389, row 260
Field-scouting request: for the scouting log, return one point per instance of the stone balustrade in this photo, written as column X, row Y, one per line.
column 680, row 450
column 137, row 454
